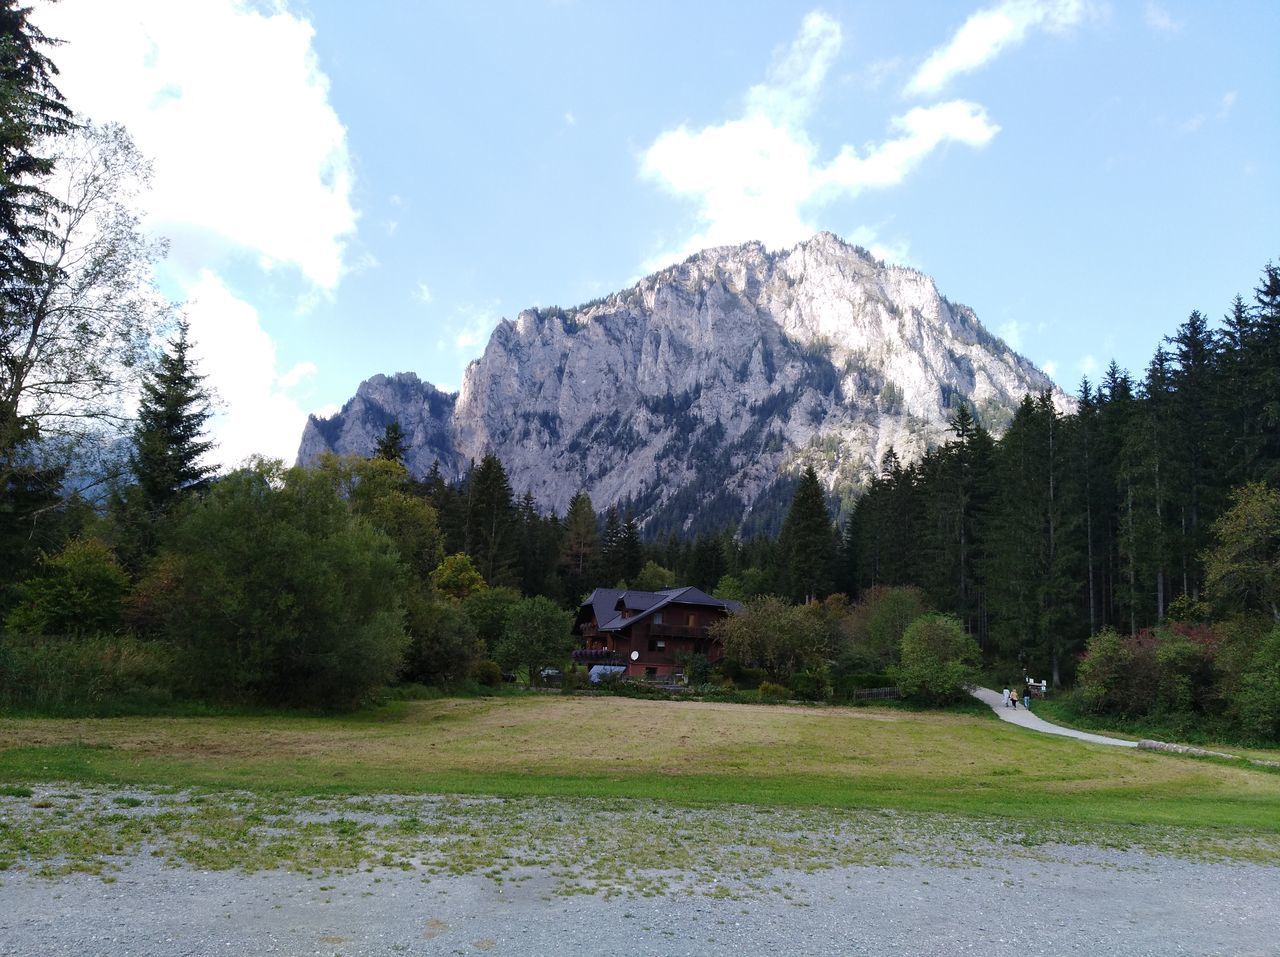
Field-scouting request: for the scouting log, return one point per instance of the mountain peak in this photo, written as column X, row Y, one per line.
column 693, row 396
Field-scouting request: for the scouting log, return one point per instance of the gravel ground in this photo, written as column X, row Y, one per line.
column 982, row 892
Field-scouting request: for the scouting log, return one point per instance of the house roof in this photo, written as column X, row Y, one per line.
column 611, row 605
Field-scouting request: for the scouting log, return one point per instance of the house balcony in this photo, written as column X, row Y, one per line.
column 657, row 630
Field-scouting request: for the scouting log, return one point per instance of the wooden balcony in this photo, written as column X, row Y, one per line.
column 657, row 630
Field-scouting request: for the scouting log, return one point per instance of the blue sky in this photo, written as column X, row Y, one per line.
column 360, row 188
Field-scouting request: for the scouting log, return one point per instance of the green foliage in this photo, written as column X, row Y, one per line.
column 393, row 444
column 653, row 577
column 1105, row 676
column 938, row 661
column 76, row 592
column 379, row 491
column 772, row 634
column 86, row 672
column 443, row 647
column 872, row 631
column 536, row 636
column 768, row 691
column 487, row 610
column 275, row 592
column 168, row 439
column 813, row 684
column 457, row 578
column 806, row 541
column 729, row 588
column 487, row 673
column 1243, row 567
column 1258, row 704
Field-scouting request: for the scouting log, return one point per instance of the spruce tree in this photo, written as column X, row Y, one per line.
column 807, row 542
column 492, row 525
column 393, row 444
column 169, row 443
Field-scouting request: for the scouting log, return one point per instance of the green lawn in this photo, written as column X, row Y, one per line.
column 677, row 751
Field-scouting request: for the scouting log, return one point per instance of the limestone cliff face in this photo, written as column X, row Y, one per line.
column 704, row 386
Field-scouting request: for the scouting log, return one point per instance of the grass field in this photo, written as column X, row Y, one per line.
column 685, row 752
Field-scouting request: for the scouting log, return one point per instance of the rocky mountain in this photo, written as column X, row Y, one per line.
column 700, row 392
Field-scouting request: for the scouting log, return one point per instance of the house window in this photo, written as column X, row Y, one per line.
column 657, row 644
column 651, row 672
column 657, row 617
column 691, row 619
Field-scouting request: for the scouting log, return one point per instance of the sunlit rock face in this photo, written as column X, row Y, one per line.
column 699, row 392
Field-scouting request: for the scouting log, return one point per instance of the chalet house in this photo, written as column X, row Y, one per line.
column 645, row 631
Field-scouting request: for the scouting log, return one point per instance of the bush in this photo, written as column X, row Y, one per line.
column 813, row 684
column 442, row 642
column 1258, row 704
column 938, row 662
column 772, row 634
column 487, row 673
column 79, row 591
column 575, row 679
column 769, row 691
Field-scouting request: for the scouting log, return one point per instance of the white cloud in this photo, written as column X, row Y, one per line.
column 570, row 119
column 327, row 411
column 422, row 293
column 474, row 324
column 1050, row 368
column 1011, row 333
column 299, row 373
column 1159, row 19
column 987, row 33
column 754, row 177
column 228, row 99
column 255, row 416
column 1226, row 104
column 1089, row 365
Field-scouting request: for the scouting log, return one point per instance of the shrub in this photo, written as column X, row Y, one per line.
column 575, row 679
column 1104, row 676
column 938, row 662
column 487, row 673
column 769, row 691
column 813, row 684
column 1258, row 703
column 79, row 591
column 442, row 642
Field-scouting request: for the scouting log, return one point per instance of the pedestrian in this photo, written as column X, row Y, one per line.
column 1026, row 700
column 1013, row 699
column 1005, row 699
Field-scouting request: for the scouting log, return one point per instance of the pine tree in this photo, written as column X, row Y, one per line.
column 807, row 542
column 393, row 444
column 580, row 551
column 169, row 447
column 491, row 521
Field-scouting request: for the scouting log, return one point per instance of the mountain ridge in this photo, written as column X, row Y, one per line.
column 704, row 384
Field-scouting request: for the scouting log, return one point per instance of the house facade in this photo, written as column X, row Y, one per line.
column 645, row 632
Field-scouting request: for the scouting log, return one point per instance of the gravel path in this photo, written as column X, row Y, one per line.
column 1027, row 719
column 1088, row 901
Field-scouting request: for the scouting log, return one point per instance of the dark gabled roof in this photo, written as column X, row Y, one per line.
column 604, row 603
column 607, row 604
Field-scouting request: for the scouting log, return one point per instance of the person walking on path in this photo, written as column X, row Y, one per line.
column 1026, row 700
column 1013, row 699
column 1005, row 699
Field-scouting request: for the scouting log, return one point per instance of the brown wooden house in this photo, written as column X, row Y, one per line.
column 645, row 631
